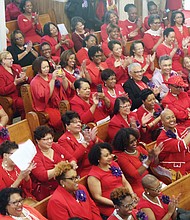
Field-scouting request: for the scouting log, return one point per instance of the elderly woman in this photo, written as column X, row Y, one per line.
column 177, row 100
column 12, row 10
column 146, row 62
column 45, row 51
column 133, row 24
column 90, row 108
column 70, row 198
column 155, row 205
column 11, row 78
column 10, row 175
column 95, row 67
column 124, row 204
column 28, row 22
column 58, row 42
column 176, row 139
column 153, row 36
column 111, row 89
column 48, row 155
column 170, row 47
column 79, row 32
column 181, row 31
column 123, row 117
column 133, row 159
column 82, row 54
column 23, row 54
column 135, row 84
column 78, row 140
column 48, row 90
column 11, row 206
column 118, row 62
column 104, row 176
column 111, row 17
column 152, row 110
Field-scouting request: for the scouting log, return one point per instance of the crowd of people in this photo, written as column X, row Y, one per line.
column 143, row 91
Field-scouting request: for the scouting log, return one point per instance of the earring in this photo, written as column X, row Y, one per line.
column 63, row 185
column 147, row 193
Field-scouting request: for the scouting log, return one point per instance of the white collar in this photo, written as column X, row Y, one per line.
column 119, row 217
column 154, row 33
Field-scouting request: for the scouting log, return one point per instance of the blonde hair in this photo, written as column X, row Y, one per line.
column 119, row 194
column 61, row 169
column 4, row 55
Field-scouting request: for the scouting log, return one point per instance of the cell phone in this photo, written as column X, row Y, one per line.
column 99, row 88
column 85, row 127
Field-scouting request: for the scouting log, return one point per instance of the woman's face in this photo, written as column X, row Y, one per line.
column 176, row 90
column 113, row 19
column 97, row 58
column 178, row 19
column 46, row 51
column 105, row 158
column 136, row 73
column 84, row 91
column 155, row 25
column 139, row 49
column 110, row 82
column 46, row 142
column 19, row 39
column 187, row 63
column 117, row 50
column 6, row 157
column 155, row 188
column 114, row 34
column 91, row 42
column 153, row 10
column 79, row 27
column 132, row 144
column 71, row 61
column 8, row 61
column 128, row 204
column 28, row 7
column 132, row 14
column 53, row 30
column 124, row 108
column 170, row 39
column 44, row 68
column 168, row 120
column 15, row 205
column 150, row 102
column 75, row 126
column 71, row 181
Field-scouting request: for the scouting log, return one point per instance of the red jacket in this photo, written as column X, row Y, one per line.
column 12, row 12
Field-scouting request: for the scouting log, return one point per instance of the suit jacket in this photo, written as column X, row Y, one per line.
column 63, row 205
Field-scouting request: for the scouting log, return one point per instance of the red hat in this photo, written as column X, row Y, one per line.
column 177, row 81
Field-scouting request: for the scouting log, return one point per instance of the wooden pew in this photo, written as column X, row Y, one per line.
column 180, row 186
column 7, row 102
column 23, row 130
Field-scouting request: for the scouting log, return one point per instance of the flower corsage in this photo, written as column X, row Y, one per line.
column 4, row 134
column 80, row 195
column 165, row 199
column 116, row 171
column 141, row 215
column 170, row 134
column 142, row 157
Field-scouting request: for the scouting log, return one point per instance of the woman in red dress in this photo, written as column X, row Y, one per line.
column 70, row 199
column 123, row 117
column 58, row 42
column 181, row 31
column 28, row 22
column 10, row 175
column 104, row 176
column 12, row 10
column 133, row 159
column 11, row 78
column 48, row 90
column 48, row 155
column 146, row 61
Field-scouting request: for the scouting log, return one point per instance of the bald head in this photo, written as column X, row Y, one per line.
column 148, row 181
column 165, row 112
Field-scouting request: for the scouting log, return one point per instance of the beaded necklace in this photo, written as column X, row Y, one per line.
column 8, row 174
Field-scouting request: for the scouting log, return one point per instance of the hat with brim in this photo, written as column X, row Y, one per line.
column 176, row 81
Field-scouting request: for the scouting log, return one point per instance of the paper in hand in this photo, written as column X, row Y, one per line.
column 24, row 155
column 62, row 29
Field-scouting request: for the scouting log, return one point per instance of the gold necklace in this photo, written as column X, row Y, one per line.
column 8, row 174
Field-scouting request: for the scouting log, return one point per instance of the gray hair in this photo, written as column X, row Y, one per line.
column 164, row 57
column 132, row 65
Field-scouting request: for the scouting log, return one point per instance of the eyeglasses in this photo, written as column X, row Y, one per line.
column 74, row 178
column 157, row 189
column 97, row 56
column 19, row 38
column 130, row 206
column 140, row 71
column 125, row 106
column 75, row 122
column 16, row 203
column 47, row 139
column 9, row 58
column 177, row 87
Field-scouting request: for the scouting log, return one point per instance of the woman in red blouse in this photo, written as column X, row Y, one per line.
column 28, row 22
column 12, row 10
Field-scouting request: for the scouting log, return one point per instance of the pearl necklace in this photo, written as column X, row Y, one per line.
column 8, row 174
column 130, row 153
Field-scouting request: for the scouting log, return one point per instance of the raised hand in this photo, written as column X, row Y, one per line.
column 146, row 118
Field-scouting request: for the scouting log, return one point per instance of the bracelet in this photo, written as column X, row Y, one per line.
column 145, row 165
column 144, row 126
column 31, row 49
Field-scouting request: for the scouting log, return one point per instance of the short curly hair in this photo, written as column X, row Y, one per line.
column 7, row 146
column 119, row 194
column 61, row 169
column 22, row 5
column 95, row 152
column 42, row 131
